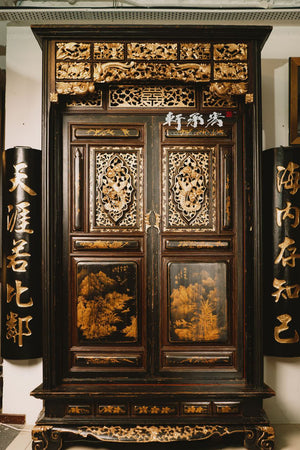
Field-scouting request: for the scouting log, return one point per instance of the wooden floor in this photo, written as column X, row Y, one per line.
column 287, row 438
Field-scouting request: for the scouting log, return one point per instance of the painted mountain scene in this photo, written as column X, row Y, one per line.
column 197, row 302
column 107, row 302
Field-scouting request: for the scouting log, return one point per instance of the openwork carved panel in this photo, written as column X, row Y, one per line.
column 73, row 71
column 109, row 50
column 230, row 71
column 189, row 183
column 109, row 72
column 230, row 51
column 94, row 100
column 211, row 100
column 152, row 97
column 152, row 50
column 116, row 194
column 73, row 50
column 114, row 62
column 195, row 50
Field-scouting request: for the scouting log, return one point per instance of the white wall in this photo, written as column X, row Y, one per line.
column 23, row 127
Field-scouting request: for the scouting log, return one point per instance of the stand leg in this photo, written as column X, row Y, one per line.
column 44, row 437
column 259, row 437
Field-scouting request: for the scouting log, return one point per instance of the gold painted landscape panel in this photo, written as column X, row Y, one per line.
column 197, row 297
column 107, row 302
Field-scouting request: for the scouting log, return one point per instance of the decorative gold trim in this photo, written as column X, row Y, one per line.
column 105, row 245
column 257, row 436
column 112, row 410
column 249, row 98
column 53, row 97
column 173, row 244
column 154, row 410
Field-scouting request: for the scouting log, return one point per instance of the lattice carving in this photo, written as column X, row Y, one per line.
column 73, row 50
column 195, row 50
column 152, row 50
column 73, row 71
column 117, row 187
column 189, row 188
column 230, row 71
column 108, row 72
column 109, row 50
column 152, row 97
column 230, row 51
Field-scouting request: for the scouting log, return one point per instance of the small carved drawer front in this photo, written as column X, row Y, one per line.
column 196, row 409
column 227, row 407
column 78, row 410
column 155, row 410
column 112, row 410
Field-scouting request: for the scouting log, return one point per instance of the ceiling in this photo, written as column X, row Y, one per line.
column 239, row 12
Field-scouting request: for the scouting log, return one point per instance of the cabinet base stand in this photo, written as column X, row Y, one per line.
column 52, row 437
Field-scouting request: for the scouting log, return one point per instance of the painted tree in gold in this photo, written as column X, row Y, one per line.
column 100, row 307
column 194, row 311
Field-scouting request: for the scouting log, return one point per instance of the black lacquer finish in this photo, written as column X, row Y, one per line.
column 152, row 246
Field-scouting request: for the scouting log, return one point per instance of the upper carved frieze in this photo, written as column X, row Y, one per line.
column 186, row 62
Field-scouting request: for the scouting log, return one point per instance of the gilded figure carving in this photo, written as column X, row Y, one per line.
column 227, row 89
column 230, row 51
column 75, row 88
column 152, row 50
column 73, row 70
column 108, row 72
column 194, row 50
column 93, row 99
column 109, row 50
column 73, row 50
column 230, row 71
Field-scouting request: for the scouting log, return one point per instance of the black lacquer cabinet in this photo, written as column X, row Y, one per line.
column 152, row 235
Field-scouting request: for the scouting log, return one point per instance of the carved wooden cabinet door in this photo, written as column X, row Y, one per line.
column 152, row 247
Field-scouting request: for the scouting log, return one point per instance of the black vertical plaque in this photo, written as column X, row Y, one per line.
column 21, row 287
column 281, row 241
